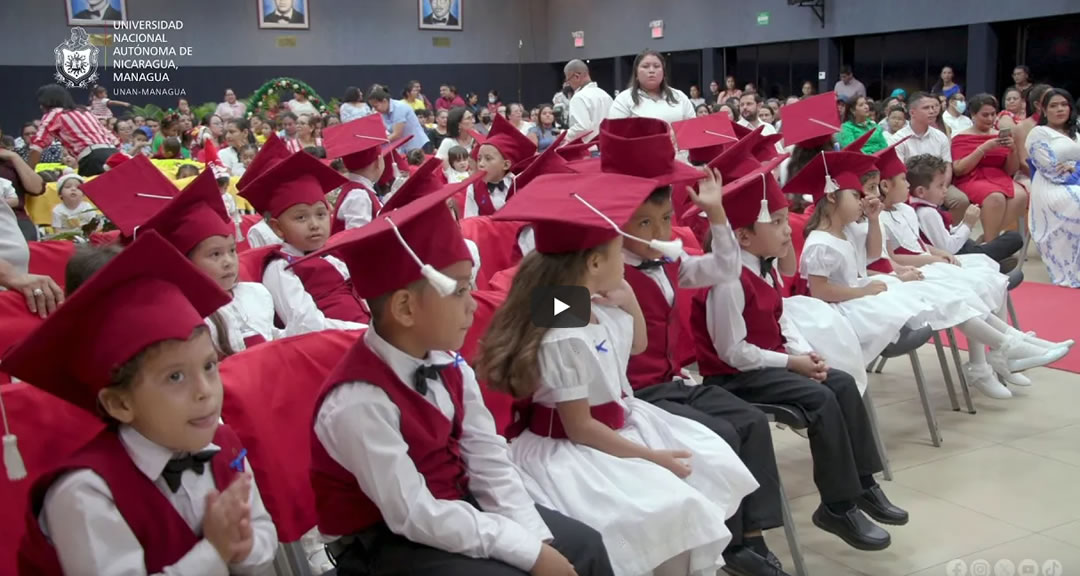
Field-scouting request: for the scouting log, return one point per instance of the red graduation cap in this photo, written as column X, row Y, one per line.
column 574, row 212
column 526, row 163
column 547, row 162
column 510, row 142
column 811, row 122
column 829, row 172
column 889, row 162
column 299, row 179
column 273, row 151
column 754, row 197
column 147, row 294
column 411, row 242
column 705, row 137
column 639, row 147
column 857, row 145
column 358, row 142
column 738, row 159
column 765, row 148
column 196, row 214
column 578, row 148
column 423, row 182
column 131, row 193
column 740, row 130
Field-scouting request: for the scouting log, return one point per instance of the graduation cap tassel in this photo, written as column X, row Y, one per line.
column 442, row 283
column 13, row 462
column 830, row 184
column 764, row 216
column 671, row 250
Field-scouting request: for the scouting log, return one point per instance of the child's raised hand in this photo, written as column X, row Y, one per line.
column 673, row 460
column 709, row 196
column 971, row 215
column 871, row 207
column 621, row 297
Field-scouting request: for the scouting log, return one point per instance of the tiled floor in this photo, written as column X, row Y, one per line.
column 1001, row 489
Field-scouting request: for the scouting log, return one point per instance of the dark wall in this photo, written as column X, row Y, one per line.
column 538, row 83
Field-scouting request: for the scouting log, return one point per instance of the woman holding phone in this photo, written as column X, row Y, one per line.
column 984, row 161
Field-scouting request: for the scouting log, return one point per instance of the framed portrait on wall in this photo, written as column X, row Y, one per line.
column 284, row 14
column 440, row 14
column 95, row 12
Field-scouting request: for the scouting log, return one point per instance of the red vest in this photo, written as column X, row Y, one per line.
column 484, row 205
column 657, row 363
column 761, row 313
column 162, row 533
column 946, row 219
column 341, row 506
column 332, row 293
column 338, row 224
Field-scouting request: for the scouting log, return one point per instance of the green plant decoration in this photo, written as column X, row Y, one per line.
column 266, row 99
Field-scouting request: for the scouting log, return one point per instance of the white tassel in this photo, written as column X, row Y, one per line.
column 764, row 216
column 671, row 249
column 830, row 184
column 13, row 462
column 442, row 283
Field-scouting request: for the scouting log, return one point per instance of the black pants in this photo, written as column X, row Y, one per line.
column 1008, row 243
column 841, row 441
column 746, row 430
column 392, row 555
column 93, row 163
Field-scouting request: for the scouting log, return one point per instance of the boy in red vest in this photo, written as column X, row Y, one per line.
column 162, row 488
column 361, row 145
column 409, row 474
column 316, row 294
column 740, row 343
column 643, row 147
column 499, row 157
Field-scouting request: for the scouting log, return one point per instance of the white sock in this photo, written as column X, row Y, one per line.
column 976, row 351
column 981, row 331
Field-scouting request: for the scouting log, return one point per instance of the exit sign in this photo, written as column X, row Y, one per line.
column 763, row 19
column 656, row 28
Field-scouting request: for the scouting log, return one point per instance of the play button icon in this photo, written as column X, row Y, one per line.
column 561, row 307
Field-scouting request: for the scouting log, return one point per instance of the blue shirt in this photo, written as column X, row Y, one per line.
column 399, row 113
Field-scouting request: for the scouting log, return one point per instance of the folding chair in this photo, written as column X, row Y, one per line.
column 908, row 344
column 270, row 394
column 791, row 417
column 50, row 258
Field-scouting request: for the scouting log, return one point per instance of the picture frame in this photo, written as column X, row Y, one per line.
column 80, row 12
column 440, row 15
column 284, row 14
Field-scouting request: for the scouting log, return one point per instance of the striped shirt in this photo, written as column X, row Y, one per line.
column 100, row 107
column 77, row 130
column 293, row 144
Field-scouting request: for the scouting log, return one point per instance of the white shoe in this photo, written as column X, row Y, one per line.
column 1016, row 379
column 982, row 377
column 1002, row 362
column 1034, row 339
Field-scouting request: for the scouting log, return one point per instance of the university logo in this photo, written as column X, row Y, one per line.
column 76, row 60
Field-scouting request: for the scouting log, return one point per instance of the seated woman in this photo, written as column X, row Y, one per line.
column 459, row 127
column 984, row 162
column 1055, row 188
column 545, row 131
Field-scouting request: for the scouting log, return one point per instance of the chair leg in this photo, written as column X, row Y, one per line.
column 296, row 558
column 931, row 419
column 960, row 370
column 881, row 365
column 870, row 366
column 946, row 372
column 1012, row 311
column 792, row 535
column 871, row 413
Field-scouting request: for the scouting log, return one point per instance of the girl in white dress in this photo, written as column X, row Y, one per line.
column 1054, row 216
column 975, row 276
column 657, row 487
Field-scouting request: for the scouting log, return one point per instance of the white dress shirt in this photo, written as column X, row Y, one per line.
column 933, row 226
column 588, row 108
column 933, row 142
column 474, row 253
column 624, row 107
column 498, row 197
column 92, row 538
column 249, row 313
column 355, row 210
column 293, row 304
column 720, row 264
column 956, row 124
column 768, row 130
column 231, row 160
column 727, row 328
column 261, row 235
column 360, row 427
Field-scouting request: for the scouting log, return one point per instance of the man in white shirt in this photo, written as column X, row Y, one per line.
column 589, row 105
column 925, row 139
column 749, row 104
column 848, row 88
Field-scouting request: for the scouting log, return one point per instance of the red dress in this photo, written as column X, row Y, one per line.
column 989, row 175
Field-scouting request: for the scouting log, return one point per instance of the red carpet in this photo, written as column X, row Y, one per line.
column 1053, row 312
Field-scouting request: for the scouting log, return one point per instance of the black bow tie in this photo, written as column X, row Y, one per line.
column 439, row 21
column 425, row 373
column 767, row 266
column 650, row 264
column 493, row 186
column 176, row 467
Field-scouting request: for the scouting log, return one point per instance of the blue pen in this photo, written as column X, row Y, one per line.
column 600, row 346
column 238, row 462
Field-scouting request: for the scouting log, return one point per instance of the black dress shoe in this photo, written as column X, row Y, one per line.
column 743, row 561
column 852, row 527
column 877, row 506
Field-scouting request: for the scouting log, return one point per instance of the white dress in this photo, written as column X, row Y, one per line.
column 977, row 275
column 249, row 313
column 1054, row 215
column 644, row 512
column 877, row 319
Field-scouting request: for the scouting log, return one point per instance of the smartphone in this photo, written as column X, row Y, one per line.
column 1004, row 133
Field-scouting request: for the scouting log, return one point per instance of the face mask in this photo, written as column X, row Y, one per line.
column 492, row 99
column 961, row 106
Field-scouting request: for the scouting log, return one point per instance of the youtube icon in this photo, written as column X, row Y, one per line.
column 561, row 307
